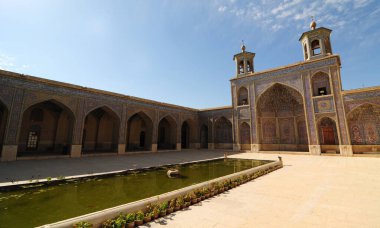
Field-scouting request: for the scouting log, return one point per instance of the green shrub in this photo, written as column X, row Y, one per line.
column 130, row 217
column 139, row 215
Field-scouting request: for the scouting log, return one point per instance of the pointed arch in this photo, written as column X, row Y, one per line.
column 223, row 133
column 270, row 86
column 279, row 108
column 46, row 129
column 328, row 135
column 320, row 83
column 139, row 132
column 188, row 134
column 101, row 131
column 167, row 133
column 243, row 96
column 364, row 125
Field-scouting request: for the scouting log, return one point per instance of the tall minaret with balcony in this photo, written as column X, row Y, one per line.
column 316, row 42
column 244, row 62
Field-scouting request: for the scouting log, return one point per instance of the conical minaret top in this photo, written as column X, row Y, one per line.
column 244, row 61
column 316, row 42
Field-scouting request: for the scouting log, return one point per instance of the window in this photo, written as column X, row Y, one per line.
column 242, row 96
column 32, row 140
column 322, row 91
column 249, row 66
column 241, row 67
column 315, row 47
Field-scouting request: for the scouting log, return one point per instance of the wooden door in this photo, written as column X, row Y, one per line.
column 328, row 135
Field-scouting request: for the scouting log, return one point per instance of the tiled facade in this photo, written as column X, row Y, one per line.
column 299, row 107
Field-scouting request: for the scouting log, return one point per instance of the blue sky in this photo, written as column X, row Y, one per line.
column 179, row 52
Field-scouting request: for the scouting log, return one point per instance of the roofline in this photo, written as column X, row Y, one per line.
column 87, row 89
column 313, row 30
column 215, row 108
column 287, row 66
column 361, row 90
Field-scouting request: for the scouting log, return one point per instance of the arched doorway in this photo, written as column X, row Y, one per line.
column 46, row 129
column 364, row 125
column 328, row 136
column 204, row 137
column 167, row 134
column 3, row 121
column 185, row 135
column 281, row 119
column 101, row 131
column 223, row 134
column 139, row 132
column 245, row 136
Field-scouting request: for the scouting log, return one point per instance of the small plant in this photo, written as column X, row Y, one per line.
column 149, row 208
column 172, row 203
column 187, row 197
column 82, row 224
column 192, row 195
column 48, row 179
column 130, row 217
column 179, row 202
column 198, row 193
column 139, row 215
column 109, row 223
column 164, row 206
column 206, row 191
column 120, row 221
column 156, row 211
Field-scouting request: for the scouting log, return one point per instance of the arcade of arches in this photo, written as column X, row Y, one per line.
column 167, row 133
column 281, row 120
column 46, row 129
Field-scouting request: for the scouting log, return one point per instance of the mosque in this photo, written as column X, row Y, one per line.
column 299, row 107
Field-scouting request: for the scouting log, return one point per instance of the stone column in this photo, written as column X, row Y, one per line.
column 122, row 131
column 179, row 128
column 76, row 146
column 345, row 147
column 156, row 119
column 235, row 125
column 210, row 123
column 255, row 147
column 314, row 147
column 10, row 146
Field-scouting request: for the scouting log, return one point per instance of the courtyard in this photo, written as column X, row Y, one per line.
column 309, row 191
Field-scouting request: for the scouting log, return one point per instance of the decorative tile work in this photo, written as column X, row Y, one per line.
column 310, row 113
column 244, row 113
column 252, row 103
column 339, row 107
column 293, row 69
column 293, row 81
column 323, row 104
column 64, row 91
column 15, row 118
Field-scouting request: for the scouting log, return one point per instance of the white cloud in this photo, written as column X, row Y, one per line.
column 278, row 15
column 222, row 9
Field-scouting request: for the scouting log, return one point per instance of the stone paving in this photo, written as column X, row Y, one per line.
column 25, row 170
column 309, row 191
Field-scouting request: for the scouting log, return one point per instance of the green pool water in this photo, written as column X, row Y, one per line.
column 47, row 204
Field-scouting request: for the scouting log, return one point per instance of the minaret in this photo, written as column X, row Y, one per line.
column 316, row 42
column 244, row 62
